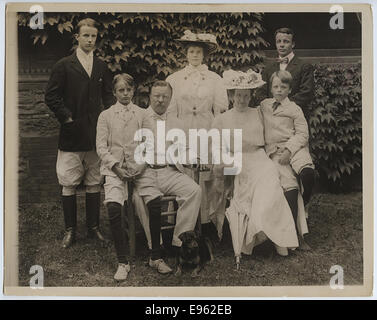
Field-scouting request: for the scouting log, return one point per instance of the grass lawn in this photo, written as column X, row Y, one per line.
column 336, row 238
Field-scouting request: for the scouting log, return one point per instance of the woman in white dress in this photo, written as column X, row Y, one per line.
column 258, row 209
column 198, row 96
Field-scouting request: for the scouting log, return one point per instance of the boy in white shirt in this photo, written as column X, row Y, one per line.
column 115, row 143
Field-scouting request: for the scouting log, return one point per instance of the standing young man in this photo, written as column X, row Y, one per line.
column 302, row 73
column 79, row 87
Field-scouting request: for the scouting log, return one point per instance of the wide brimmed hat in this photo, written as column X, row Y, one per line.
column 242, row 80
column 207, row 39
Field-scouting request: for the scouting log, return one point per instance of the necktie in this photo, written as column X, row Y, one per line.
column 275, row 105
column 283, row 60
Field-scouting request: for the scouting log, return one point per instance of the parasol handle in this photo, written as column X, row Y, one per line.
column 238, row 262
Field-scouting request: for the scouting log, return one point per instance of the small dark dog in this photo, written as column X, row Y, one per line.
column 195, row 251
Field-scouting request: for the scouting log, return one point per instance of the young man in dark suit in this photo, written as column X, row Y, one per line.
column 79, row 87
column 302, row 73
column 302, row 88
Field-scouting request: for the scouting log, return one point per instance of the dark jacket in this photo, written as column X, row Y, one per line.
column 71, row 93
column 303, row 81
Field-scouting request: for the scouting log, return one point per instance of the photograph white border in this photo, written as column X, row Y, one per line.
column 11, row 156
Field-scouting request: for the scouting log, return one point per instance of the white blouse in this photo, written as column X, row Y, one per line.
column 198, row 96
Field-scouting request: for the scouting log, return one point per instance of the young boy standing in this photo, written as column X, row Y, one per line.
column 79, row 87
column 286, row 138
column 115, row 146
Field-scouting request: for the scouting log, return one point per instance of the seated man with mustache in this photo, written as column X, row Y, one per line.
column 166, row 179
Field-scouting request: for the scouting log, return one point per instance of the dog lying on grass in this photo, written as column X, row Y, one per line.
column 195, row 251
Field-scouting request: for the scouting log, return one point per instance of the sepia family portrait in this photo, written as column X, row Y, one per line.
column 214, row 149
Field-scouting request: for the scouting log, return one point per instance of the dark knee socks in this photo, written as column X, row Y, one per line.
column 154, row 208
column 114, row 211
column 307, row 177
column 70, row 212
column 291, row 197
column 92, row 203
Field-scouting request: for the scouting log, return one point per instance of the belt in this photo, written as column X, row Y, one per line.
column 157, row 166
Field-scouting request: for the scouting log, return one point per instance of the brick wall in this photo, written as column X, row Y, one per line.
column 38, row 131
column 35, row 119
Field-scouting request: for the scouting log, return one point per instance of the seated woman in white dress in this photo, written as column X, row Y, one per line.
column 258, row 209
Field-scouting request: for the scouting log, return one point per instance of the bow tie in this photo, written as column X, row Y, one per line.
column 275, row 105
column 283, row 60
column 162, row 117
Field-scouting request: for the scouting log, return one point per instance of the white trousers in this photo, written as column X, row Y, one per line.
column 155, row 183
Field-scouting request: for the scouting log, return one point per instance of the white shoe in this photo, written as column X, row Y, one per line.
column 122, row 272
column 160, row 266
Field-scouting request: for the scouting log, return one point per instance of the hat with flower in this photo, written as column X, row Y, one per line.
column 207, row 39
column 242, row 80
